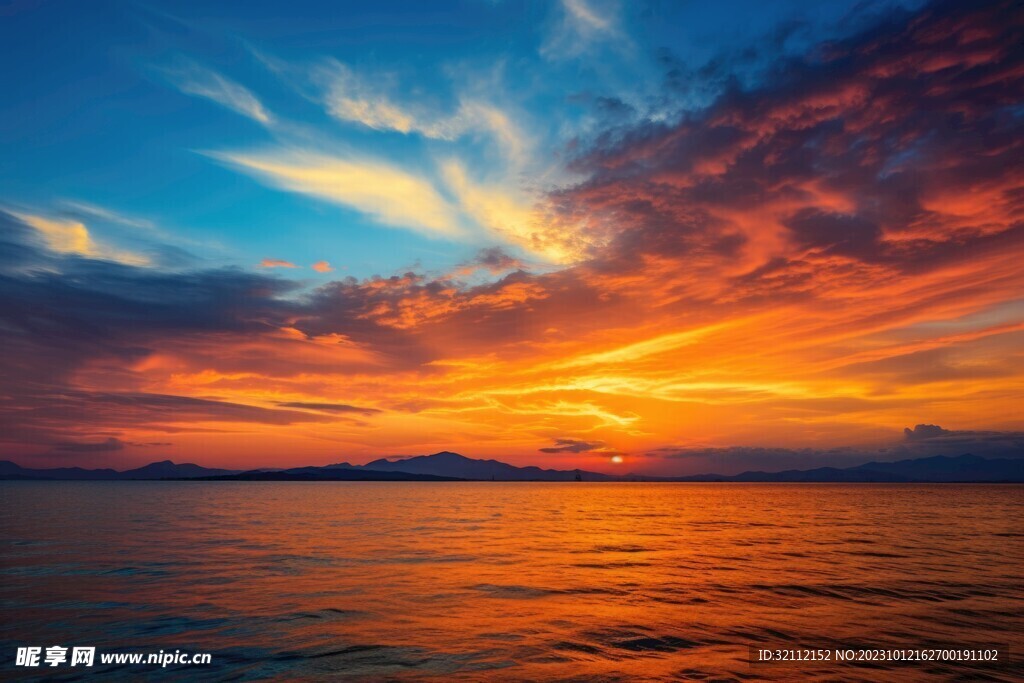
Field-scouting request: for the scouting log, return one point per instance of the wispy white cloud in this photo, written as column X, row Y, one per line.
column 475, row 115
column 391, row 195
column 451, row 206
column 509, row 214
column 193, row 79
column 86, row 209
column 469, row 195
column 582, row 26
column 143, row 233
column 353, row 98
column 66, row 236
column 586, row 18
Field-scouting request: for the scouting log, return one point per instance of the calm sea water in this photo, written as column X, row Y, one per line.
column 524, row 581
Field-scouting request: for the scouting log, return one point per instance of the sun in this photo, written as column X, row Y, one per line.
column 617, row 459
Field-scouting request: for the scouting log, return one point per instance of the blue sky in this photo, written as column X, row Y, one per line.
column 154, row 124
column 668, row 236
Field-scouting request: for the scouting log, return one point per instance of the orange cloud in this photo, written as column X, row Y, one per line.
column 322, row 267
column 276, row 263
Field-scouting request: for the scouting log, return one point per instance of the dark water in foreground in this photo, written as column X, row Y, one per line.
column 492, row 581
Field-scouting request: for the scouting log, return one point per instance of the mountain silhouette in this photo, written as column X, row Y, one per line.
column 936, row 469
column 961, row 468
column 326, row 474
column 165, row 469
column 448, row 466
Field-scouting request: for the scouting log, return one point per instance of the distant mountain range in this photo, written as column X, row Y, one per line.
column 329, row 473
column 164, row 469
column 937, row 469
column 451, row 464
column 443, row 466
column 448, row 466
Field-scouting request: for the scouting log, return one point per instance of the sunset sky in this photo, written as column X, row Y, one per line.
column 702, row 236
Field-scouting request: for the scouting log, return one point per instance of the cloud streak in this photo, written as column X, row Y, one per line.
column 354, row 98
column 391, row 195
column 199, row 81
column 582, row 25
column 73, row 237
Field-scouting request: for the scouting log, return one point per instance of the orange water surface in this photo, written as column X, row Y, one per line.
column 510, row 581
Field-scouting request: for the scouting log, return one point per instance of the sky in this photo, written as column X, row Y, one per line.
column 657, row 237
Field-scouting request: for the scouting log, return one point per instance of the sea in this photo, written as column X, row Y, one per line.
column 491, row 581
